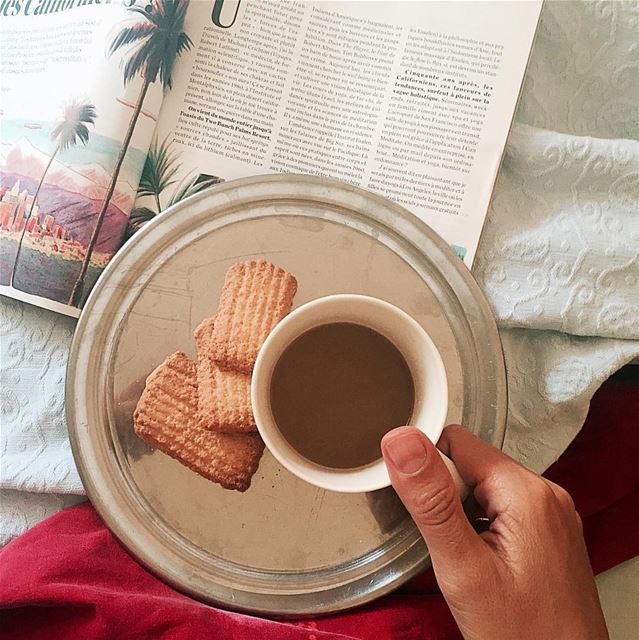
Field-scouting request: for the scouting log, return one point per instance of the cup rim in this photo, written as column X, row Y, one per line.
column 341, row 480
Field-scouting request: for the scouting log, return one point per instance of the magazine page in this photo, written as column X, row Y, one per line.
column 82, row 85
column 412, row 100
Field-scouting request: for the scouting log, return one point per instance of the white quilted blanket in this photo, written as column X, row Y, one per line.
column 558, row 261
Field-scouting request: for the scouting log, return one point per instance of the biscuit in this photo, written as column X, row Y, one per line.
column 224, row 397
column 166, row 417
column 255, row 297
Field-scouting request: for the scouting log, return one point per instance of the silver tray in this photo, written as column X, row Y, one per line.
column 284, row 547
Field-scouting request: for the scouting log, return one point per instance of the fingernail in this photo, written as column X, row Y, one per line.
column 406, row 452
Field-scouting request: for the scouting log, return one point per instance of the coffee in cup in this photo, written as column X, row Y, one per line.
column 406, row 335
column 336, row 390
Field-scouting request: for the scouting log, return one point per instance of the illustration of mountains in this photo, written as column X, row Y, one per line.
column 90, row 180
column 72, row 195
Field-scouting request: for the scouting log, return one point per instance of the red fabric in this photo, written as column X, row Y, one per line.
column 69, row 578
column 600, row 470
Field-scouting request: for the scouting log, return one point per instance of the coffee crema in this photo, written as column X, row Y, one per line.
column 336, row 390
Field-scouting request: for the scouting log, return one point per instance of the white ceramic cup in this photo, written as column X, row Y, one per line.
column 419, row 351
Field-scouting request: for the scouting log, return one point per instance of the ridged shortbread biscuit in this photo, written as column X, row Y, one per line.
column 166, row 417
column 256, row 296
column 224, row 397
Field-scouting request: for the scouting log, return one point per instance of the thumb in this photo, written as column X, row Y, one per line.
column 427, row 490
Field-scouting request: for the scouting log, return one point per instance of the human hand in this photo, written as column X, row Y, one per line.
column 528, row 576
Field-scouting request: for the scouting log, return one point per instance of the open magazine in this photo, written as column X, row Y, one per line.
column 114, row 111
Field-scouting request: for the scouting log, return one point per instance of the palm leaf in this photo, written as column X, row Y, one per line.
column 154, row 17
column 137, row 219
column 184, row 43
column 176, row 46
column 130, row 35
column 139, row 60
column 159, row 170
column 72, row 126
column 155, row 41
column 141, row 215
column 194, row 185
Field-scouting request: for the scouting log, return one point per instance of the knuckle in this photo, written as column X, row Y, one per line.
column 543, row 494
column 549, row 496
column 451, row 430
column 454, row 428
column 435, row 507
column 565, row 499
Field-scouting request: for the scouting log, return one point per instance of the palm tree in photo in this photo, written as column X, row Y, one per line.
column 160, row 169
column 193, row 185
column 153, row 44
column 68, row 131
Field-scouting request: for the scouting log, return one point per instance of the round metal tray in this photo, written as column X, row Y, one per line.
column 284, row 547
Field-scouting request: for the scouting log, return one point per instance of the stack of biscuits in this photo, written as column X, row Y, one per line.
column 200, row 412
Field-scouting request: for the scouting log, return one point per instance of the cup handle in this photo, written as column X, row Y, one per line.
column 462, row 487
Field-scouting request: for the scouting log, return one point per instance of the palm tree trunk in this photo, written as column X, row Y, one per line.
column 35, row 197
column 78, row 287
